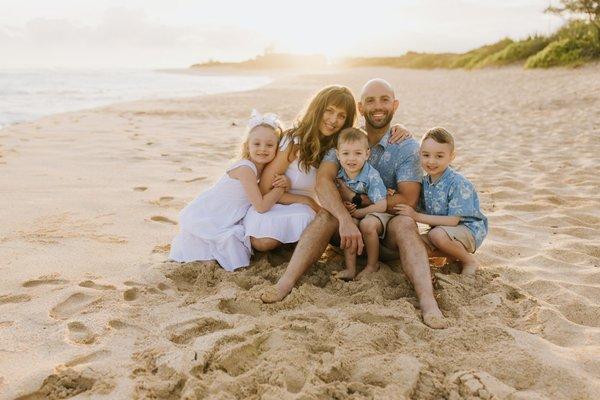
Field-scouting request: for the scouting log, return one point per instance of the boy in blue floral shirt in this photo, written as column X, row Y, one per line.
column 449, row 203
column 352, row 152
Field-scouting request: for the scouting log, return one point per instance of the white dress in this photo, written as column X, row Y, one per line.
column 211, row 225
column 285, row 222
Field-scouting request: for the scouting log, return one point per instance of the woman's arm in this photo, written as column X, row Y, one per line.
column 289, row 198
column 247, row 177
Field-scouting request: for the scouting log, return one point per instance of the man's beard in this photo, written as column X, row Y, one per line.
column 370, row 123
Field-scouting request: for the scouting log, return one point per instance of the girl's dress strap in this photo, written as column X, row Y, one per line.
column 244, row 162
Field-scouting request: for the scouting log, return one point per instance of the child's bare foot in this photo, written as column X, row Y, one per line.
column 276, row 293
column 470, row 266
column 345, row 274
column 368, row 270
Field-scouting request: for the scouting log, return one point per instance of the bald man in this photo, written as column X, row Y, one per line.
column 399, row 167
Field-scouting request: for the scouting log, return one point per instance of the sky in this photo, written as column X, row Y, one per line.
column 178, row 33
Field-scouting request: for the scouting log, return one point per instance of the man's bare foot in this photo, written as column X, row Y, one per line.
column 276, row 293
column 435, row 321
column 368, row 270
column 345, row 274
column 432, row 316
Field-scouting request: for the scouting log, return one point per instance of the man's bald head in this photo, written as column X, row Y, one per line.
column 376, row 85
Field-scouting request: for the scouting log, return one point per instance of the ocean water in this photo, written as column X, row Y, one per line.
column 26, row 95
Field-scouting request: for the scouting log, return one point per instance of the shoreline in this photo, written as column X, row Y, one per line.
column 90, row 304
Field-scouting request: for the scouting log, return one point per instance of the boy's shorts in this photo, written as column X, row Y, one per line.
column 384, row 218
column 458, row 232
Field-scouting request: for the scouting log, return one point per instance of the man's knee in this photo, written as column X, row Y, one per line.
column 400, row 225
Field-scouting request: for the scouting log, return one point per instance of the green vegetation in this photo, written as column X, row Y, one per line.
column 516, row 52
column 574, row 44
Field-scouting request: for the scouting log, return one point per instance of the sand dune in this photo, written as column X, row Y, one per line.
column 90, row 307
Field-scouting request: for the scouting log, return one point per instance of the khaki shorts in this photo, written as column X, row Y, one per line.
column 384, row 218
column 459, row 232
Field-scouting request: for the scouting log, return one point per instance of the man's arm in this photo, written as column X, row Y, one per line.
column 408, row 193
column 329, row 196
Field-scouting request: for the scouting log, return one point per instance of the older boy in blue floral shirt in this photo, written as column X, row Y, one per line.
column 352, row 152
column 449, row 204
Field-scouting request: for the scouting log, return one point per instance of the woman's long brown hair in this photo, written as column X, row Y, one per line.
column 313, row 145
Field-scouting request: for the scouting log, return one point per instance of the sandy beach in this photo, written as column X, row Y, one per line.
column 91, row 307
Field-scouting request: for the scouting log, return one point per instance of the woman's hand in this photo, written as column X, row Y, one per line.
column 282, row 181
column 314, row 205
column 391, row 192
column 399, row 134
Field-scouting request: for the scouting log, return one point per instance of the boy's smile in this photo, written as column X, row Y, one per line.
column 352, row 156
column 435, row 157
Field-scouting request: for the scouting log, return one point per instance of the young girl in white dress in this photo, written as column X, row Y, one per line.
column 300, row 151
column 210, row 226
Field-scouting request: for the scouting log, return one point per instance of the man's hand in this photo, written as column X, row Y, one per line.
column 350, row 237
column 403, row 209
column 350, row 206
column 399, row 133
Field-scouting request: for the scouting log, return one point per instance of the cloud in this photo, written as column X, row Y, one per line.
column 124, row 37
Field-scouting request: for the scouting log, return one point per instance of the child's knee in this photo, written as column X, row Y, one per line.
column 263, row 244
column 369, row 225
column 438, row 237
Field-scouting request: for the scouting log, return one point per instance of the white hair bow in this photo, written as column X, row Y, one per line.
column 270, row 119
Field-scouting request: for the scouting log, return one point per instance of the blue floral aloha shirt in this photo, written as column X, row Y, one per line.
column 454, row 195
column 366, row 182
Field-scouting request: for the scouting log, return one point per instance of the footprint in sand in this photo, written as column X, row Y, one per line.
column 118, row 325
column 6, row 324
column 14, row 298
column 140, row 188
column 230, row 306
column 79, row 333
column 185, row 332
column 94, row 285
column 44, row 281
column 480, row 385
column 97, row 355
column 73, row 304
column 131, row 294
column 200, row 178
column 240, row 358
column 162, row 248
column 164, row 220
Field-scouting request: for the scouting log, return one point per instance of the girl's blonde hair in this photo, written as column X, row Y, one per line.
column 245, row 150
column 306, row 132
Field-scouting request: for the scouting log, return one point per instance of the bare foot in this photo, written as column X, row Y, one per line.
column 345, row 275
column 368, row 270
column 470, row 266
column 276, row 293
column 432, row 316
column 435, row 321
